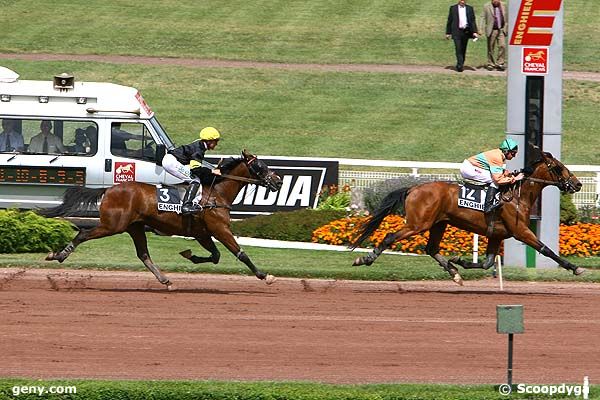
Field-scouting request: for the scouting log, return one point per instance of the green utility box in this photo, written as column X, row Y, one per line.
column 509, row 319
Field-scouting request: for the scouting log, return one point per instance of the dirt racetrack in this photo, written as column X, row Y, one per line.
column 91, row 324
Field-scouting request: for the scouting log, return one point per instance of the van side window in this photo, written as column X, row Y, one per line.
column 132, row 140
column 80, row 137
column 64, row 137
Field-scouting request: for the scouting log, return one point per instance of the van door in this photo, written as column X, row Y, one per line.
column 132, row 154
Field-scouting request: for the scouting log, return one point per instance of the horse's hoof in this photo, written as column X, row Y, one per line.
column 362, row 261
column 270, row 279
column 50, row 257
column 578, row 271
column 186, row 254
column 458, row 279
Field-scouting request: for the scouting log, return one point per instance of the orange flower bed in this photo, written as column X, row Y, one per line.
column 580, row 239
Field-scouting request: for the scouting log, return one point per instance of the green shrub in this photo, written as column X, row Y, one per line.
column 568, row 211
column 27, row 232
column 375, row 194
column 287, row 225
column 334, row 198
column 589, row 215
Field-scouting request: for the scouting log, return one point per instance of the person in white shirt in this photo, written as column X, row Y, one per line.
column 46, row 141
column 461, row 26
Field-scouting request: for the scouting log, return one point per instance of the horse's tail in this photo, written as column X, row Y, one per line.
column 393, row 202
column 75, row 200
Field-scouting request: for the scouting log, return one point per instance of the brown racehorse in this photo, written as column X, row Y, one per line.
column 432, row 206
column 129, row 207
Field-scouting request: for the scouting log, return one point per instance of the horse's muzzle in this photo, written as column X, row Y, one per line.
column 273, row 182
column 572, row 186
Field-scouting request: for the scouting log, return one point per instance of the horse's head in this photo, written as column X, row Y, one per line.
column 260, row 170
column 550, row 169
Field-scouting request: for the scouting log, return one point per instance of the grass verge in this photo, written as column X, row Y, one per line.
column 280, row 262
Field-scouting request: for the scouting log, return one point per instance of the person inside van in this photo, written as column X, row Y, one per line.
column 46, row 141
column 10, row 139
column 80, row 145
column 92, row 136
column 118, row 139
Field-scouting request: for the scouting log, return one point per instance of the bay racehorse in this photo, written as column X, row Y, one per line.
column 432, row 206
column 129, row 207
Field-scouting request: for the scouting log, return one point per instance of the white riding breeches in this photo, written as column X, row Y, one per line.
column 180, row 171
column 177, row 169
column 469, row 171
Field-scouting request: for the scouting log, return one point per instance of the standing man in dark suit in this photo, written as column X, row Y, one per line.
column 461, row 26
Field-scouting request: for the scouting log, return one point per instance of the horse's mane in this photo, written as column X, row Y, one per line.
column 230, row 163
column 226, row 166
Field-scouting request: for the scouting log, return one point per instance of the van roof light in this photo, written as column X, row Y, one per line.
column 64, row 82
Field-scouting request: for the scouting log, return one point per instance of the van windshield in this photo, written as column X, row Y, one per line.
column 162, row 134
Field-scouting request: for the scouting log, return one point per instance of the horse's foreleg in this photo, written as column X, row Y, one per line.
column 529, row 238
column 433, row 249
column 208, row 244
column 136, row 231
column 225, row 236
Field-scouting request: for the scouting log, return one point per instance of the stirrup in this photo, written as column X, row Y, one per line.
column 190, row 208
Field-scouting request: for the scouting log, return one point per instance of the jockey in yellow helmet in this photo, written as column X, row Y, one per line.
column 177, row 163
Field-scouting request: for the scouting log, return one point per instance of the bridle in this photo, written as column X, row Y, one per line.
column 263, row 178
column 563, row 184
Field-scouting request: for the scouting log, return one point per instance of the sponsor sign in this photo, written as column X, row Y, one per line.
column 533, row 25
column 471, row 198
column 124, row 172
column 534, row 60
column 302, row 182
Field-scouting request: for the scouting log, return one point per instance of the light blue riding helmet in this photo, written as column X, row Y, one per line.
column 509, row 144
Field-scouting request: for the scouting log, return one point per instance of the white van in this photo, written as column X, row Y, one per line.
column 60, row 133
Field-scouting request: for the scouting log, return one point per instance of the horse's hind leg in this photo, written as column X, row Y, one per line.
column 208, row 244
column 436, row 233
column 491, row 252
column 136, row 231
column 389, row 239
column 83, row 236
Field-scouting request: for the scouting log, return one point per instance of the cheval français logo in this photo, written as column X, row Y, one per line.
column 124, row 172
column 535, row 60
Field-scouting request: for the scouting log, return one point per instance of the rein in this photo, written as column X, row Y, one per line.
column 241, row 178
column 553, row 183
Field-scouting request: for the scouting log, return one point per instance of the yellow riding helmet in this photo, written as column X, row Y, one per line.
column 210, row 133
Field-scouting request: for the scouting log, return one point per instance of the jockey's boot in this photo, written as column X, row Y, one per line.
column 492, row 200
column 188, row 207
